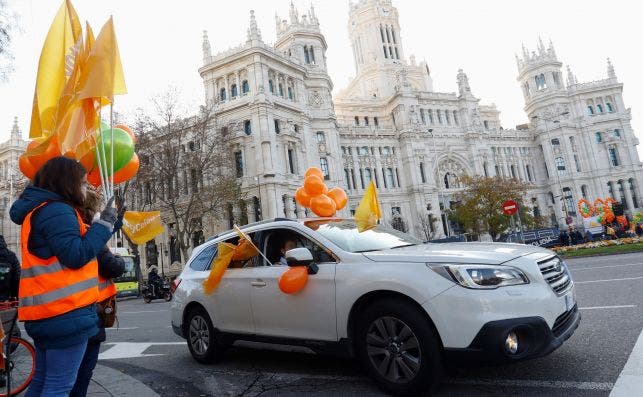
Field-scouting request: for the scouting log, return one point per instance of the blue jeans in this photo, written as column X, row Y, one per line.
column 56, row 371
column 86, row 370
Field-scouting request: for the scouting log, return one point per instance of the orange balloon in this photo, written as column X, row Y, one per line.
column 293, row 280
column 128, row 172
column 302, row 197
column 323, row 205
column 93, row 177
column 89, row 160
column 48, row 150
column 26, row 167
column 128, row 130
column 314, row 185
column 339, row 197
column 314, row 171
column 325, row 191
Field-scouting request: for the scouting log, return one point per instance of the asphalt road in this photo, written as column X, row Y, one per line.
column 609, row 293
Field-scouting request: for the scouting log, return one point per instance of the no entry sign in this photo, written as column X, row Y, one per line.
column 509, row 207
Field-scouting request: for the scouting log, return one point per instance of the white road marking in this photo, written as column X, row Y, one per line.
column 605, row 267
column 630, row 381
column 611, row 279
column 119, row 350
column 605, row 307
column 555, row 384
column 145, row 311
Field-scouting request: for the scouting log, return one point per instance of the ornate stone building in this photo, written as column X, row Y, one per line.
column 11, row 184
column 390, row 126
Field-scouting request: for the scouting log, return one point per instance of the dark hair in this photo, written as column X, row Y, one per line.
column 91, row 205
column 63, row 176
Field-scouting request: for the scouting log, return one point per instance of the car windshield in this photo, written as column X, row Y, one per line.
column 130, row 270
column 345, row 235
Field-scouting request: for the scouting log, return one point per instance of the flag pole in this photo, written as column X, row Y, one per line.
column 111, row 147
column 104, row 168
column 99, row 159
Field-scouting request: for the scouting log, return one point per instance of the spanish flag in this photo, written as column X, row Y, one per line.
column 368, row 212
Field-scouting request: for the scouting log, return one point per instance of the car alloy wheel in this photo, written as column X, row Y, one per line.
column 199, row 335
column 393, row 349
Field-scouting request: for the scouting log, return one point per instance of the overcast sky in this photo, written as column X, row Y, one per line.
column 160, row 43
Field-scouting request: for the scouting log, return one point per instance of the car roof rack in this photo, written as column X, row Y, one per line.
column 252, row 224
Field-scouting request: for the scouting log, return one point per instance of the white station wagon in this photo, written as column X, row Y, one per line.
column 403, row 308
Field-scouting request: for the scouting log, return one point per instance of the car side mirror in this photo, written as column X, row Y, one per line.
column 301, row 257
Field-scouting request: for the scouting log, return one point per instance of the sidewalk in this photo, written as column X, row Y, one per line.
column 110, row 382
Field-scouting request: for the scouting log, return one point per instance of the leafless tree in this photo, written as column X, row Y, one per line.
column 9, row 24
column 187, row 168
column 426, row 227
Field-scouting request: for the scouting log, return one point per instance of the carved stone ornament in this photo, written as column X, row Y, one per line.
column 315, row 99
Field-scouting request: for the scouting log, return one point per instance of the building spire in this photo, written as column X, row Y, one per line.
column 294, row 17
column 15, row 130
column 253, row 30
column 463, row 84
column 571, row 79
column 311, row 14
column 541, row 46
column 207, row 50
column 610, row 70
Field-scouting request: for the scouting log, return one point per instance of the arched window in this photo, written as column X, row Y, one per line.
column 599, row 108
column 560, row 165
column 613, row 154
column 306, row 55
column 323, row 164
column 388, row 35
column 541, row 84
column 281, row 90
column 513, row 172
column 321, row 137
column 590, row 110
column 568, row 198
column 599, row 137
column 222, row 94
column 609, row 107
column 393, row 36
column 247, row 127
column 290, row 95
column 382, row 34
column 311, row 49
column 245, row 87
column 356, row 120
column 385, row 53
column 455, row 117
column 233, row 91
column 271, row 86
column 368, row 176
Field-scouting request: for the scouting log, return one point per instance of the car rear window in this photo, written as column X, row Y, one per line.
column 204, row 259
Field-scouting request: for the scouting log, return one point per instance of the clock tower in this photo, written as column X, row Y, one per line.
column 375, row 34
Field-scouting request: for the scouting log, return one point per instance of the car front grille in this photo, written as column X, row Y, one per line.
column 556, row 275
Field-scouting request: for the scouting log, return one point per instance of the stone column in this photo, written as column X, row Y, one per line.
column 227, row 89
column 628, row 195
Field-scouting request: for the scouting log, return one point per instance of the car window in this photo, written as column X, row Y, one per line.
column 247, row 263
column 279, row 239
column 204, row 259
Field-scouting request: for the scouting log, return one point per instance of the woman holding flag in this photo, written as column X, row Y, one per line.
column 59, row 283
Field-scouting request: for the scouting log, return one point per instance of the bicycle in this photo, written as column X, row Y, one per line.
column 17, row 357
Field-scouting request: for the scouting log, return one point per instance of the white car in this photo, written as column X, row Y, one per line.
column 402, row 307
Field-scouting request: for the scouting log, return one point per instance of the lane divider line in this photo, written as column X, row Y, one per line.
column 605, row 307
column 605, row 267
column 611, row 279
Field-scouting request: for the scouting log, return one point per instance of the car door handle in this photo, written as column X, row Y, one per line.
column 258, row 283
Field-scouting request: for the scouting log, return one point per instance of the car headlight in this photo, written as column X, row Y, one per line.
column 480, row 276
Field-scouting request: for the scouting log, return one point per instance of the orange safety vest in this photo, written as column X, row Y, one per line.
column 48, row 289
column 106, row 288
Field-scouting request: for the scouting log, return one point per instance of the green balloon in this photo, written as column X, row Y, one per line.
column 123, row 148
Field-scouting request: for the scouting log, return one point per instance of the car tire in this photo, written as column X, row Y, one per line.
column 397, row 345
column 201, row 337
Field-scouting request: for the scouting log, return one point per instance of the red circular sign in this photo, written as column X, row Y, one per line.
column 509, row 207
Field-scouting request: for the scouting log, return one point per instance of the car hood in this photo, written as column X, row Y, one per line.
column 483, row 253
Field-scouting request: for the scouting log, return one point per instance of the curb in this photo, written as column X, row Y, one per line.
column 110, row 382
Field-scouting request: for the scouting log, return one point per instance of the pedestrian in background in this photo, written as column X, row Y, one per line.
column 58, row 283
column 9, row 272
column 110, row 266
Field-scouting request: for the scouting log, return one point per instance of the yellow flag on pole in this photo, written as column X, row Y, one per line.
column 142, row 227
column 368, row 212
column 105, row 77
column 54, row 67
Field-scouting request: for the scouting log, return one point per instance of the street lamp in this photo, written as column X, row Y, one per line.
column 439, row 183
column 552, row 119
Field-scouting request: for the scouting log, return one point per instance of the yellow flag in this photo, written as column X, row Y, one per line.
column 142, row 227
column 105, row 73
column 54, row 67
column 368, row 212
column 77, row 120
column 220, row 264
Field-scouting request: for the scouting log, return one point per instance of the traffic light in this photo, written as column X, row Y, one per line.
column 617, row 208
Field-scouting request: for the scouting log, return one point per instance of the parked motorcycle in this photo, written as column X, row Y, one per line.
column 150, row 292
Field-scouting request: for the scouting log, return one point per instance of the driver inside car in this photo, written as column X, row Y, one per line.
column 287, row 244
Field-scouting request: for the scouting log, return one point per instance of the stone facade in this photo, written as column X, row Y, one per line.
column 11, row 184
column 390, row 126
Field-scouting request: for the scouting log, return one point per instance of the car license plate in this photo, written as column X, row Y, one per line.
column 569, row 301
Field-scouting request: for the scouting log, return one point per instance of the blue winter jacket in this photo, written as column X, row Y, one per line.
column 55, row 232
